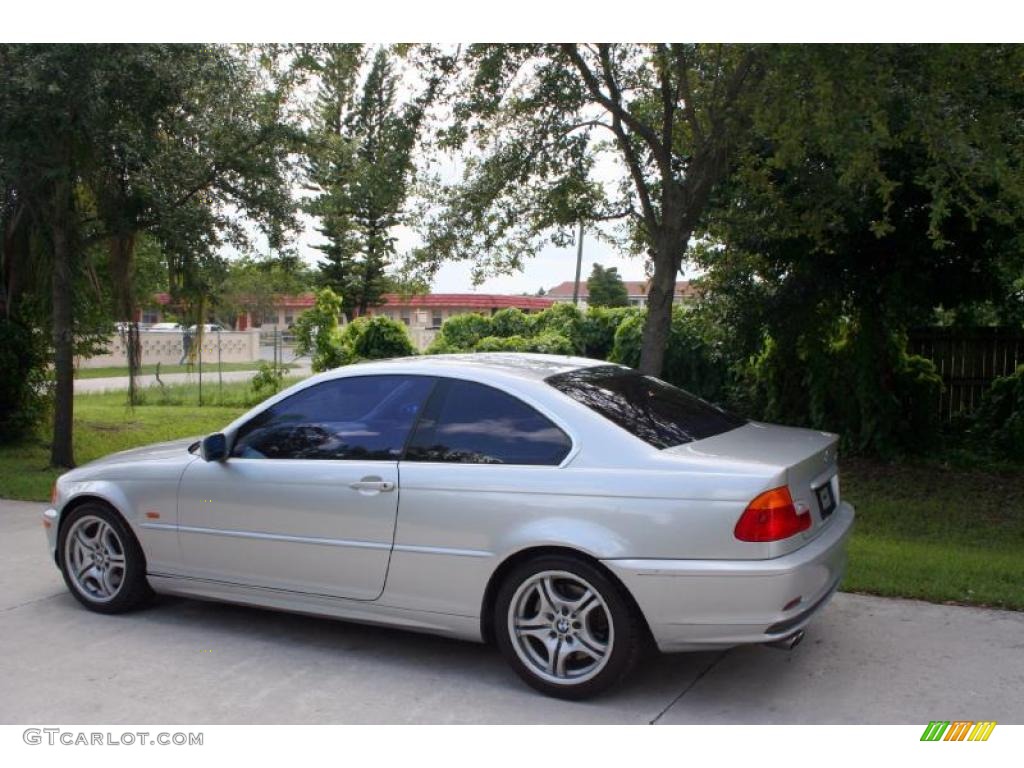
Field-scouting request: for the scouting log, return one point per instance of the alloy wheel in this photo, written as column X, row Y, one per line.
column 94, row 556
column 561, row 627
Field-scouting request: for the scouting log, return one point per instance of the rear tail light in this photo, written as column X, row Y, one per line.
column 53, row 493
column 772, row 516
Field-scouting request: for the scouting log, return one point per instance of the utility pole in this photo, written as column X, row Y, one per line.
column 579, row 266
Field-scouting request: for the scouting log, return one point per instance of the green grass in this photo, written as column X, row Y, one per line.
column 209, row 369
column 104, row 424
column 938, row 532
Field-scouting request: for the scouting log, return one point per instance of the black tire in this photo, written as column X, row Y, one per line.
column 132, row 590
column 625, row 628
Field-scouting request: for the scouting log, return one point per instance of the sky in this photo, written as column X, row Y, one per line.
column 553, row 265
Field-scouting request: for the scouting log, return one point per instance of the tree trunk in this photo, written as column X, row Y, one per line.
column 579, row 268
column 658, row 324
column 62, row 450
column 122, row 257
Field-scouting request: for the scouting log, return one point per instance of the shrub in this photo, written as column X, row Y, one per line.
column 510, row 322
column 316, row 332
column 998, row 424
column 462, row 332
column 862, row 385
column 375, row 338
column 561, row 319
column 599, row 327
column 440, row 347
column 501, row 344
column 267, row 379
column 24, row 385
column 550, row 344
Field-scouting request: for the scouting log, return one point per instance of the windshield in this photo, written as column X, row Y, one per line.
column 658, row 413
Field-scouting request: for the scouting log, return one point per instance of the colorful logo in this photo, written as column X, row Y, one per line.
column 958, row 730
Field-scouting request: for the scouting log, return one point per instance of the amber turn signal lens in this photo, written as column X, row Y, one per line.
column 772, row 516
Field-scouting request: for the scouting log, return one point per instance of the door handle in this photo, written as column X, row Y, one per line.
column 372, row 484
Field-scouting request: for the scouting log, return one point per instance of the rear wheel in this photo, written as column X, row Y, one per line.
column 101, row 560
column 565, row 627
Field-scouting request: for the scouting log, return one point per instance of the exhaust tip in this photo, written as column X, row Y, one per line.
column 789, row 642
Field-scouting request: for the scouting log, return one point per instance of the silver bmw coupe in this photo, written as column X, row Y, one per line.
column 570, row 511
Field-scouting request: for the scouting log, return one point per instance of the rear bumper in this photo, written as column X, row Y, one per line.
column 700, row 604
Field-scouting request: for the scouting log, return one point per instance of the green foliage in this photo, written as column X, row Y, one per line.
column 24, row 390
column 268, row 379
column 439, row 346
column 559, row 330
column 110, row 145
column 599, row 327
column 859, row 205
column 998, row 424
column 462, row 332
column 606, row 289
column 550, row 343
column 251, row 284
column 501, row 344
column 361, row 166
column 510, row 321
column 365, row 338
column 316, row 332
column 546, row 343
column 880, row 400
column 374, row 338
column 561, row 320
column 692, row 362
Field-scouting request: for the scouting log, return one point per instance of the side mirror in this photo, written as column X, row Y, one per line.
column 214, row 447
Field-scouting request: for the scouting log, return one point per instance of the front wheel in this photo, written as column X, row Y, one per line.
column 565, row 627
column 101, row 560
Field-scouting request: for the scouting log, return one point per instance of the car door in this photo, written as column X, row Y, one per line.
column 481, row 463
column 307, row 499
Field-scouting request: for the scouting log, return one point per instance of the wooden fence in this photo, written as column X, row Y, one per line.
column 968, row 359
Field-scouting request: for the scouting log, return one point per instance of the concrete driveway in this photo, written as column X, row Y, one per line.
column 866, row 660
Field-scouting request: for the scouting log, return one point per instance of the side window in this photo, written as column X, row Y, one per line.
column 469, row 423
column 364, row 418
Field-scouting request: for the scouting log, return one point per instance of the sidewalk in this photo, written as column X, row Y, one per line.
column 209, row 377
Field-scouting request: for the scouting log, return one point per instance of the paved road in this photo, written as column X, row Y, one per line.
column 107, row 384
column 866, row 660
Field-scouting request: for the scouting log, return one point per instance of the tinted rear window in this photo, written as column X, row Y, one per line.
column 470, row 423
column 656, row 412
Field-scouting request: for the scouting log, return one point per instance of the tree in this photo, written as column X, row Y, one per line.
column 252, row 284
column 102, row 143
column 360, row 167
column 878, row 185
column 539, row 115
column 606, row 288
column 44, row 103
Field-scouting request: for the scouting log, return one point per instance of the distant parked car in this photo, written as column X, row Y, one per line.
column 207, row 328
column 565, row 509
column 166, row 327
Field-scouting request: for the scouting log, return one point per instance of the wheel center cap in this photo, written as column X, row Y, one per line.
column 562, row 625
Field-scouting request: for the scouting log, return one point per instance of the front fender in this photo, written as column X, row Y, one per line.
column 149, row 508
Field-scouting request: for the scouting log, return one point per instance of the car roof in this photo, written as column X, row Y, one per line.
column 522, row 365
